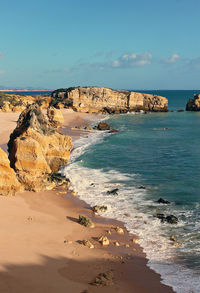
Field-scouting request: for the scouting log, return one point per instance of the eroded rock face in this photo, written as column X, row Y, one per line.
column 98, row 99
column 8, row 180
column 193, row 104
column 36, row 149
column 55, row 116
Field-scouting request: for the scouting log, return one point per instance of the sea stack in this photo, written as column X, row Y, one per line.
column 193, row 104
column 105, row 100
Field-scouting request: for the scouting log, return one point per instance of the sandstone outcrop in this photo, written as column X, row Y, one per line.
column 99, row 99
column 193, row 104
column 18, row 103
column 55, row 116
column 36, row 149
column 8, row 180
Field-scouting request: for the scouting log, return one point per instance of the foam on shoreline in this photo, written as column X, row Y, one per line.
column 92, row 186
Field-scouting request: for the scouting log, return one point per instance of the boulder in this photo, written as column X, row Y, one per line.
column 162, row 200
column 193, row 104
column 9, row 184
column 104, row 240
column 99, row 209
column 36, row 149
column 103, row 126
column 113, row 191
column 85, row 221
column 119, row 230
column 87, row 243
column 171, row 219
column 55, row 116
column 104, row 279
column 105, row 100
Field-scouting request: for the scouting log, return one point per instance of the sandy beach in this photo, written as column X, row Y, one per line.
column 40, row 248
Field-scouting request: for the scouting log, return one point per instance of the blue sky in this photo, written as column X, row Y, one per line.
column 129, row 44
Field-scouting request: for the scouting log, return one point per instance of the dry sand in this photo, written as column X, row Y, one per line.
column 34, row 252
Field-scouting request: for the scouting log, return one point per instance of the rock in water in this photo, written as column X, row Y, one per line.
column 105, row 100
column 99, row 209
column 36, row 149
column 8, row 180
column 103, row 126
column 171, row 219
column 55, row 116
column 113, row 191
column 161, row 200
column 193, row 104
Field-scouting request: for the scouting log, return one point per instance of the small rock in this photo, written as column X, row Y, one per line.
column 119, row 230
column 134, row 240
column 171, row 219
column 73, row 193
column 127, row 245
column 85, row 221
column 127, row 215
column 113, row 131
column 160, row 216
column 109, row 232
column 99, row 209
column 162, row 200
column 175, row 244
column 30, row 218
column 87, row 243
column 104, row 279
column 181, row 110
column 103, row 126
column 141, row 187
column 117, row 243
column 113, row 191
column 104, row 241
column 172, row 238
column 68, row 241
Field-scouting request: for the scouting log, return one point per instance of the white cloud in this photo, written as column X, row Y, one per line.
column 132, row 60
column 175, row 57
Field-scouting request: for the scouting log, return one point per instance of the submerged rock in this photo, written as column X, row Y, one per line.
column 113, row 191
column 162, row 200
column 36, row 149
column 85, row 221
column 171, row 219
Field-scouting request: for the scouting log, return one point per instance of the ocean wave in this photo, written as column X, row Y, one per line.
column 92, row 185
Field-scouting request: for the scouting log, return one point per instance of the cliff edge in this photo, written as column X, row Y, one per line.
column 105, row 100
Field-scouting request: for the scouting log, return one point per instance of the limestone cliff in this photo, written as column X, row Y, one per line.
column 98, row 99
column 55, row 116
column 36, row 149
column 8, row 180
column 193, row 104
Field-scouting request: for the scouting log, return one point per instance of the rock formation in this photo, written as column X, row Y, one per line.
column 55, row 116
column 98, row 99
column 8, row 180
column 36, row 149
column 193, row 104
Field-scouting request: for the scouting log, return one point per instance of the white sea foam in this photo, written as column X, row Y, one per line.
column 92, row 186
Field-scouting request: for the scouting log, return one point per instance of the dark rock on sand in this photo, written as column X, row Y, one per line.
column 104, row 279
column 162, row 200
column 85, row 221
column 103, row 126
column 113, row 191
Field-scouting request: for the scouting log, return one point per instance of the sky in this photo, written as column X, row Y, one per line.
column 129, row 44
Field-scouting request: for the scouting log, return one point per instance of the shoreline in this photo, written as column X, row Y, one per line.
column 45, row 220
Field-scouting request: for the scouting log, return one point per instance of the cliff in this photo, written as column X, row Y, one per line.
column 193, row 104
column 36, row 149
column 98, row 99
column 8, row 180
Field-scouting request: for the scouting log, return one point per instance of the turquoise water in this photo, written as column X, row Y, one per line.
column 159, row 151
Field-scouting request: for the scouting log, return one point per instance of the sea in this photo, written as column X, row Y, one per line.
column 154, row 155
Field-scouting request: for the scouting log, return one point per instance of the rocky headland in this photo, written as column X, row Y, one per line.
column 105, row 100
column 193, row 104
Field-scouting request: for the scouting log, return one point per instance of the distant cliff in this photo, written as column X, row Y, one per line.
column 193, row 104
column 105, row 100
